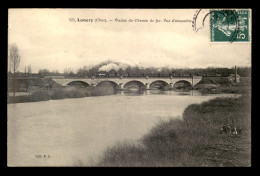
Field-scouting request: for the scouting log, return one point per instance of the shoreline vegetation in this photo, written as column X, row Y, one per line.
column 58, row 92
column 194, row 141
column 71, row 92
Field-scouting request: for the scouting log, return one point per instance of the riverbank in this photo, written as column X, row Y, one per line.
column 213, row 89
column 71, row 92
column 194, row 141
column 61, row 93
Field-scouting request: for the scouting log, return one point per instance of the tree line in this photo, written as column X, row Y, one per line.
column 151, row 71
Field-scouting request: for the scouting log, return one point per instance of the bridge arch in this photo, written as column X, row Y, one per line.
column 107, row 81
column 182, row 84
column 139, row 83
column 164, row 83
column 78, row 84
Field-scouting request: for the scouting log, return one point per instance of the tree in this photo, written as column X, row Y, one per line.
column 14, row 61
column 68, row 72
column 29, row 70
column 44, row 72
column 25, row 70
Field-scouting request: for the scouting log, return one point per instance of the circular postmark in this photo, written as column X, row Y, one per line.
column 224, row 24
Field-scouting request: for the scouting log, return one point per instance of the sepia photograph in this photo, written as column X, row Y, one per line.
column 103, row 87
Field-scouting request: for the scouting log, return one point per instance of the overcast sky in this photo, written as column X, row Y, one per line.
column 47, row 39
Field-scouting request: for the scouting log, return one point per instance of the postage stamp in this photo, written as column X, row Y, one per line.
column 229, row 25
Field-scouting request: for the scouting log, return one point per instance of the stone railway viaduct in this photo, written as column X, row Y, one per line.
column 122, row 81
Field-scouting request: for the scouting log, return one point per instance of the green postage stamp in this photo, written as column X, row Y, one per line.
column 230, row 25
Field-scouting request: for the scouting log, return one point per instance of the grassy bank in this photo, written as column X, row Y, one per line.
column 213, row 89
column 216, row 85
column 61, row 93
column 194, row 141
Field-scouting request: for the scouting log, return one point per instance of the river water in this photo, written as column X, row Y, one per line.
column 61, row 132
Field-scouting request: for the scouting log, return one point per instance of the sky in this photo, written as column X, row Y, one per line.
column 48, row 40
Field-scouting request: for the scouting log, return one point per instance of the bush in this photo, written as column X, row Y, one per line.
column 100, row 91
column 88, row 93
column 17, row 99
column 58, row 94
column 79, row 94
column 39, row 96
column 61, row 94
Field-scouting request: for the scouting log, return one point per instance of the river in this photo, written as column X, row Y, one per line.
column 61, row 132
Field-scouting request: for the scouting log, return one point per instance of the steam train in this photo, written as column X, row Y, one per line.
column 115, row 74
column 141, row 75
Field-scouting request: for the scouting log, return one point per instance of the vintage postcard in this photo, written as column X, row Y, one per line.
column 129, row 87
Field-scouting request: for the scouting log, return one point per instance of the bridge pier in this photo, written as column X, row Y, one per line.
column 171, row 85
column 147, row 86
column 121, row 86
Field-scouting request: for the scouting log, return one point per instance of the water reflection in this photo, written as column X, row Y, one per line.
column 136, row 92
column 132, row 92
